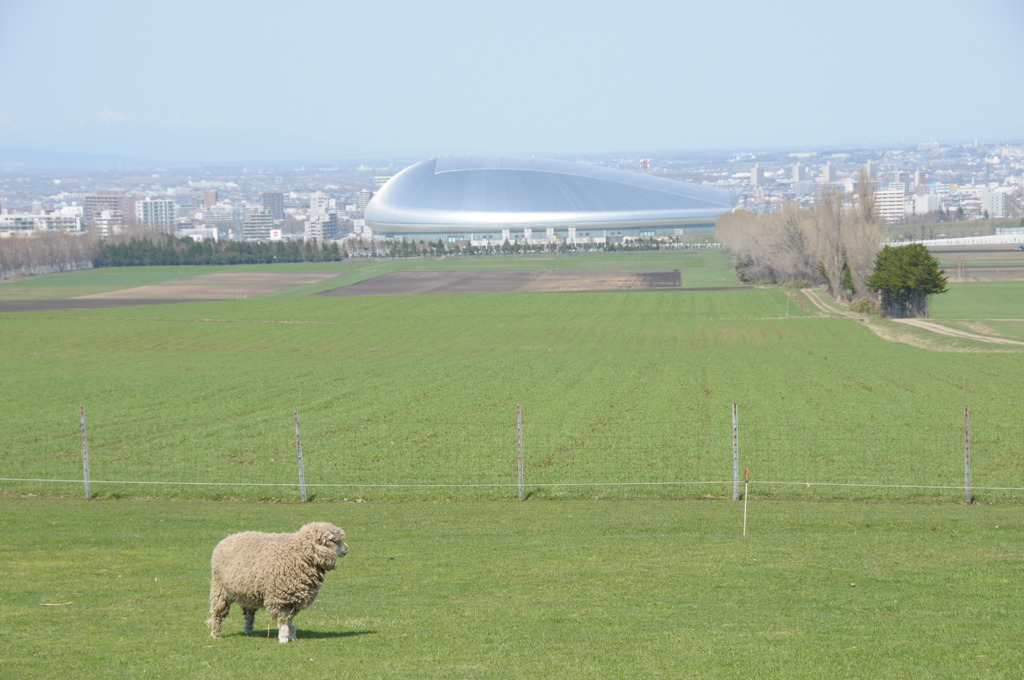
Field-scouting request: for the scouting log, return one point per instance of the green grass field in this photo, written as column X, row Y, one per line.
column 994, row 307
column 611, row 569
column 581, row 589
column 698, row 268
column 624, row 394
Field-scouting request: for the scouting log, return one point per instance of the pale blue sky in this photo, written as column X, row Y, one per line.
column 254, row 80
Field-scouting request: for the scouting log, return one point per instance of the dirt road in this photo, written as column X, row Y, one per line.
column 816, row 297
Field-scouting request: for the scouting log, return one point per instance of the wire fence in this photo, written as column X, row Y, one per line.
column 527, row 459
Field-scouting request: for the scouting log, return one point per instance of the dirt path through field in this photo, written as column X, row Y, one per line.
column 955, row 332
column 816, row 297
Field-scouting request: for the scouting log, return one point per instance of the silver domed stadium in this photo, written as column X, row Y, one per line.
column 488, row 200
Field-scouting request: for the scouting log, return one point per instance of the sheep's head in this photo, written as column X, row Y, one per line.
column 328, row 543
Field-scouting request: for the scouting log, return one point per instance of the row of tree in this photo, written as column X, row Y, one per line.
column 832, row 244
column 171, row 250
column 50, row 253
column 44, row 254
column 822, row 244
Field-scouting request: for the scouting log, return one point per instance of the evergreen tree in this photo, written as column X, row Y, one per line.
column 905, row 277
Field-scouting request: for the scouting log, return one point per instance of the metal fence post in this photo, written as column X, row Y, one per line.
column 85, row 450
column 967, row 456
column 519, row 432
column 298, row 447
column 735, row 453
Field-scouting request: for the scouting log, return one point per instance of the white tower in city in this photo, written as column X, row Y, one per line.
column 322, row 224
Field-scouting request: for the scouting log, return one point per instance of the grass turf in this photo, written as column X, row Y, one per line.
column 573, row 589
column 622, row 387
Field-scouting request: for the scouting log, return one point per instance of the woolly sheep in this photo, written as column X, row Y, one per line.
column 279, row 572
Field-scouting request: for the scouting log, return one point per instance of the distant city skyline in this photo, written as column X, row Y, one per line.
column 250, row 81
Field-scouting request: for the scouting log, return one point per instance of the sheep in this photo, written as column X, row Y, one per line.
column 279, row 572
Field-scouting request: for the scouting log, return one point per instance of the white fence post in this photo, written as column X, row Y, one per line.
column 735, row 453
column 298, row 447
column 967, row 456
column 85, row 450
column 519, row 432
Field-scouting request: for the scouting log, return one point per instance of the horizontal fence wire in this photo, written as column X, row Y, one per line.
column 629, row 458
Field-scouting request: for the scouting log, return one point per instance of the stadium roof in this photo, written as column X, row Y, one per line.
column 488, row 192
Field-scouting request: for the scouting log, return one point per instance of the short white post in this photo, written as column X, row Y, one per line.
column 298, row 446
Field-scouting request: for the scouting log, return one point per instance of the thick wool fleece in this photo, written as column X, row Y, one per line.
column 279, row 572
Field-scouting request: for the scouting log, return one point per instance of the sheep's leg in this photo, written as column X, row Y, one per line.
column 219, row 608
column 286, row 629
column 250, row 618
column 214, row 623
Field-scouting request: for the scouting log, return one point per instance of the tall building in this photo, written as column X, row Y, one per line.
column 210, row 198
column 108, row 223
column 757, row 176
column 30, row 224
column 257, row 225
column 828, row 173
column 156, row 213
column 107, row 201
column 891, row 203
column 993, row 202
column 925, row 203
column 364, row 199
column 322, row 224
column 273, row 203
column 799, row 172
column 319, row 204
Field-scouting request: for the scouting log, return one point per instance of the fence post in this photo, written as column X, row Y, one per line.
column 85, row 450
column 519, row 432
column 967, row 456
column 298, row 447
column 735, row 453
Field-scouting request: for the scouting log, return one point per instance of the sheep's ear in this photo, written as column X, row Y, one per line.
column 331, row 536
column 325, row 555
column 326, row 536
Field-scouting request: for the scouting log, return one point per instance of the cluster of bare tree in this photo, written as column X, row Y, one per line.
column 45, row 254
column 828, row 243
